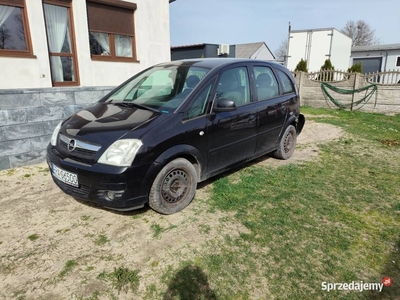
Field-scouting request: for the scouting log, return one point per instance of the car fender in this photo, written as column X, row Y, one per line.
column 186, row 151
column 297, row 121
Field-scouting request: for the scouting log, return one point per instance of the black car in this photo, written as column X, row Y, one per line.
column 153, row 138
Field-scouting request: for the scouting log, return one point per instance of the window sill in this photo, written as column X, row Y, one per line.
column 17, row 55
column 114, row 59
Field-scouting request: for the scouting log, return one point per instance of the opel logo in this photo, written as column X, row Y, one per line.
column 71, row 145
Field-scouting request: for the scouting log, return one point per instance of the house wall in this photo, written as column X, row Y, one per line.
column 340, row 50
column 315, row 46
column 297, row 49
column 263, row 53
column 320, row 49
column 389, row 58
column 30, row 107
column 152, row 46
column 199, row 51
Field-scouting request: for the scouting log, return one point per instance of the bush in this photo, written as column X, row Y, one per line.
column 327, row 65
column 356, row 68
column 301, row 66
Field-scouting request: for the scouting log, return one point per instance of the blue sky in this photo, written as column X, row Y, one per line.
column 237, row 22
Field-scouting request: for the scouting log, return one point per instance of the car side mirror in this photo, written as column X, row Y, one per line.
column 224, row 105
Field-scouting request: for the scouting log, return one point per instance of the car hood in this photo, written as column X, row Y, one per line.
column 104, row 123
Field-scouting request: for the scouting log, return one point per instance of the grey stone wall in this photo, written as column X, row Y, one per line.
column 387, row 96
column 28, row 117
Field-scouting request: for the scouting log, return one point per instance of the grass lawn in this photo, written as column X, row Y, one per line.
column 263, row 231
column 335, row 220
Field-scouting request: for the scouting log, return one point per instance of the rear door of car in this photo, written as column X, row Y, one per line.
column 272, row 107
column 232, row 135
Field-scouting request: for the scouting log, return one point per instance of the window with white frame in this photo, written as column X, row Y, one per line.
column 14, row 29
column 111, row 30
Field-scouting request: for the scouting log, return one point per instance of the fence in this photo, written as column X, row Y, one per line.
column 375, row 92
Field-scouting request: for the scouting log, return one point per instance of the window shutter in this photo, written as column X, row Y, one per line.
column 110, row 18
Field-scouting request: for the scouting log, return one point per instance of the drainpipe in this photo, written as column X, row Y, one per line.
column 286, row 59
column 387, row 54
column 330, row 47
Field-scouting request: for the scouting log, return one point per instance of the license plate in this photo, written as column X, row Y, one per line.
column 64, row 176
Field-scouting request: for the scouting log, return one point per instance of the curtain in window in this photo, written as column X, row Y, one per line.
column 56, row 27
column 123, row 45
column 5, row 12
column 103, row 40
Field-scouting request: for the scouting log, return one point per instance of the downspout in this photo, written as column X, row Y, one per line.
column 330, row 47
column 287, row 49
column 387, row 54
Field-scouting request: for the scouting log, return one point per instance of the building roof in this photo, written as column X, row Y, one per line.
column 189, row 46
column 375, row 48
column 247, row 50
column 315, row 29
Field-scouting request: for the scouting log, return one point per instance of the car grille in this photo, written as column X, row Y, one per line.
column 79, row 149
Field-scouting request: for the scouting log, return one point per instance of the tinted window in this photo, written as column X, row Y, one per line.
column 234, row 85
column 267, row 85
column 164, row 88
column 199, row 105
column 286, row 82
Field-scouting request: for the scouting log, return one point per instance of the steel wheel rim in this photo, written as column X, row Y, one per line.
column 174, row 186
column 288, row 142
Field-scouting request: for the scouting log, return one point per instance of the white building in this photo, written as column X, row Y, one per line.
column 58, row 56
column 317, row 45
column 80, row 43
column 377, row 58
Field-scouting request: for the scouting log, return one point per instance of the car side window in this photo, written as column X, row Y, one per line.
column 286, row 82
column 267, row 85
column 233, row 85
column 199, row 104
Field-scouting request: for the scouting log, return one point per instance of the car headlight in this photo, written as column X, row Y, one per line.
column 121, row 153
column 54, row 136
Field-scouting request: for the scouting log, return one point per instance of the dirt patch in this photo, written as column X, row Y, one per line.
column 54, row 247
column 312, row 136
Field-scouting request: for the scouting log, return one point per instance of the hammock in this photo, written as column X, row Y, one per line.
column 369, row 91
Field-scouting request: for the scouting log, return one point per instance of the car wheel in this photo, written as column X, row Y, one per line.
column 287, row 144
column 174, row 187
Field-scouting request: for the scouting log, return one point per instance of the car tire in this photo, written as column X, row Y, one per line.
column 174, row 187
column 287, row 144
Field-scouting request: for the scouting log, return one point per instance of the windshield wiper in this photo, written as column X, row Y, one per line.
column 128, row 104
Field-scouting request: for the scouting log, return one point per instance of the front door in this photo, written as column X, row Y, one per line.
column 232, row 135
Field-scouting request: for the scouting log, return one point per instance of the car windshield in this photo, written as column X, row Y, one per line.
column 161, row 88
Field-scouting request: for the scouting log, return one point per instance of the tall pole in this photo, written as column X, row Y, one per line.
column 287, row 48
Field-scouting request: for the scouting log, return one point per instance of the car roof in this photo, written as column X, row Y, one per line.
column 214, row 62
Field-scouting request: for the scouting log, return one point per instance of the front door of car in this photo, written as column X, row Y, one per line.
column 232, row 134
column 272, row 109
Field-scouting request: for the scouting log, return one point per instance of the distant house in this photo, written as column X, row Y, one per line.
column 58, row 56
column 258, row 50
column 317, row 45
column 377, row 58
column 251, row 50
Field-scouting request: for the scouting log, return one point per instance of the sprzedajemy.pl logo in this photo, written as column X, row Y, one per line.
column 356, row 285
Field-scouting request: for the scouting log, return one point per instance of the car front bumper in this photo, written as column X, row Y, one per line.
column 113, row 187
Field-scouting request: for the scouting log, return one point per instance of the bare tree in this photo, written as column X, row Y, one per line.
column 281, row 52
column 361, row 33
